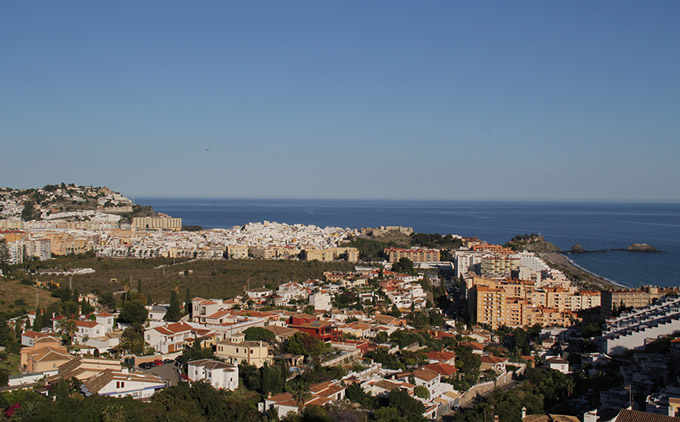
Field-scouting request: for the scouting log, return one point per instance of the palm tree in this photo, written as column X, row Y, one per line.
column 68, row 327
column 300, row 396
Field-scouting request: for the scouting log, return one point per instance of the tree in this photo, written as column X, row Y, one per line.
column 421, row 391
column 68, row 328
column 4, row 252
column 133, row 312
column 258, row 333
column 187, row 303
column 173, row 313
column 37, row 322
column 404, row 265
column 29, row 212
column 306, row 345
column 408, row 406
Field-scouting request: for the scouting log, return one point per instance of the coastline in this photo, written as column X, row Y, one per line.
column 572, row 269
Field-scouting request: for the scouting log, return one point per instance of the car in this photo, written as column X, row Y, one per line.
column 146, row 365
column 166, row 361
column 158, row 362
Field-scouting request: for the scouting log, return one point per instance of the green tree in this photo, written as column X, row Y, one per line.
column 187, row 303
column 421, row 391
column 259, row 333
column 404, row 265
column 173, row 313
column 133, row 312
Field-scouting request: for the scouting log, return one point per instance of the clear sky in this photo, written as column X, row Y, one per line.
column 385, row 99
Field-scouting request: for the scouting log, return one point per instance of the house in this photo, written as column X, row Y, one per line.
column 218, row 374
column 558, row 364
column 477, row 348
column 82, row 368
column 250, row 352
column 319, row 394
column 493, row 362
column 123, row 383
column 45, row 354
column 382, row 387
column 443, row 369
column 29, row 337
column 88, row 329
column 259, row 293
column 321, row 301
column 168, row 338
column 202, row 307
column 157, row 313
column 106, row 320
column 443, row 356
column 290, row 291
column 323, row 330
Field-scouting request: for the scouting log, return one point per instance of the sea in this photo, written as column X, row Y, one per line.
column 594, row 225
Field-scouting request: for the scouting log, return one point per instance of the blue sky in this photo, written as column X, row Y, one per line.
column 382, row 99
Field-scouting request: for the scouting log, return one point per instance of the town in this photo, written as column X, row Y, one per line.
column 444, row 328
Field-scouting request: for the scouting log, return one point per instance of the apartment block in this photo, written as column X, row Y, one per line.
column 157, row 223
column 414, row 254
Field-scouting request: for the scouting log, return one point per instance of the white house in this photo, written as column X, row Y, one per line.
column 558, row 364
column 320, row 301
column 106, row 320
column 291, row 290
column 168, row 338
column 89, row 329
column 218, row 374
column 123, row 383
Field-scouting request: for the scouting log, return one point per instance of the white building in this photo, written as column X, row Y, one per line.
column 634, row 329
column 106, row 320
column 123, row 383
column 218, row 374
column 89, row 329
column 321, row 301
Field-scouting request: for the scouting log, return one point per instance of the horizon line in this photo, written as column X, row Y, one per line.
column 534, row 200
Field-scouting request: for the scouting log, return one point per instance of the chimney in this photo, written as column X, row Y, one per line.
column 524, row 412
column 590, row 416
column 124, row 370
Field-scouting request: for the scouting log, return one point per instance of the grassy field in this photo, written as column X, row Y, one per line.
column 15, row 296
column 217, row 279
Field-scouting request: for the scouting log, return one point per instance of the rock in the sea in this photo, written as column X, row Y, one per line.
column 577, row 248
column 641, row 247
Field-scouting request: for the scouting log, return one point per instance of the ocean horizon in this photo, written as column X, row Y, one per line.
column 593, row 224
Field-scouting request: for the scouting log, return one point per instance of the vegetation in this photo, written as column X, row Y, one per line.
column 259, row 334
column 219, row 278
column 199, row 402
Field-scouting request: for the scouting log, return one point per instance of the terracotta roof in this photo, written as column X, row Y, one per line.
column 493, row 359
column 443, row 355
column 425, row 374
column 88, row 324
column 550, row 418
column 637, row 416
column 442, row 368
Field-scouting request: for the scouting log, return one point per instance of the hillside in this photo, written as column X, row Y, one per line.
column 207, row 278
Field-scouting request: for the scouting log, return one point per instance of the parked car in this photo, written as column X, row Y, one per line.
column 166, row 361
column 158, row 362
column 147, row 365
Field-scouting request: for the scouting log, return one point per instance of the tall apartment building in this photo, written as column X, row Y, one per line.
column 38, row 248
column 487, row 247
column 521, row 304
column 157, row 223
column 499, row 266
column 414, row 254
